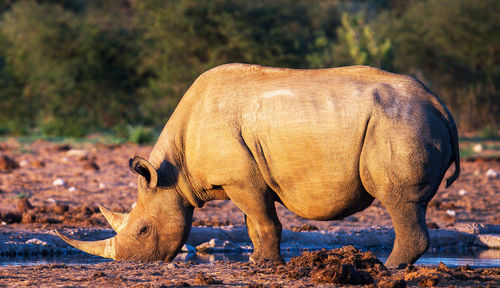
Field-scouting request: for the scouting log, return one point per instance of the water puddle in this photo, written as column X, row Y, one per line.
column 452, row 257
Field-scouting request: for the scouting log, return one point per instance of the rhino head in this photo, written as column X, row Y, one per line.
column 155, row 229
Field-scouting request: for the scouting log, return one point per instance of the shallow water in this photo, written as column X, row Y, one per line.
column 451, row 257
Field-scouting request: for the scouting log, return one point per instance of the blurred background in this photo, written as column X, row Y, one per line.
column 119, row 67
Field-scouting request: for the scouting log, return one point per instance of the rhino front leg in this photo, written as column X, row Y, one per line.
column 264, row 227
column 254, row 236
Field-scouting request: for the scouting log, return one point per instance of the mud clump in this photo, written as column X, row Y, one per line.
column 23, row 204
column 90, row 165
column 202, row 279
column 346, row 265
column 428, row 282
column 431, row 276
column 391, row 283
column 60, row 209
column 28, row 218
column 7, row 164
column 10, row 217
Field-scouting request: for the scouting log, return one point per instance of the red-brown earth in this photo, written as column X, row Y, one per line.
column 46, row 185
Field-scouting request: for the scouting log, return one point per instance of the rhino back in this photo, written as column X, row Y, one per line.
column 300, row 131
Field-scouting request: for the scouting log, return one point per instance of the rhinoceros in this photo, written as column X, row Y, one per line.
column 324, row 143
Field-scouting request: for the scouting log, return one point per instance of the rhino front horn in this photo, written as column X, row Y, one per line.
column 104, row 248
column 115, row 219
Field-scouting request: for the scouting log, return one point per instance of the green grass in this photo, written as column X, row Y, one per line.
column 138, row 134
column 466, row 152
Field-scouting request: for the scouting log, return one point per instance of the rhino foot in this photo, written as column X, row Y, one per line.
column 274, row 260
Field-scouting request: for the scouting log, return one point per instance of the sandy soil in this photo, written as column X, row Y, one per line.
column 48, row 185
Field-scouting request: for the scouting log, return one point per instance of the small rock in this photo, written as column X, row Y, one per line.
column 102, row 185
column 491, row 241
column 7, row 164
column 58, row 182
column 462, row 192
column 451, row 213
column 216, row 245
column 77, row 153
column 24, row 163
column 478, row 148
column 172, row 266
column 72, row 189
column 491, row 173
column 188, row 248
column 133, row 205
column 36, row 241
column 132, row 184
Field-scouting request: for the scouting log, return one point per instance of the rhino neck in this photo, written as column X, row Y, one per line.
column 167, row 158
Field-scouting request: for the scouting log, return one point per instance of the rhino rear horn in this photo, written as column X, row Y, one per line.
column 142, row 167
column 115, row 219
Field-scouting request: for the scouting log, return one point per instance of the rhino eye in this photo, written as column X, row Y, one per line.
column 144, row 230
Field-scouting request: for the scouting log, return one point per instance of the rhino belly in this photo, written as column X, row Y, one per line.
column 325, row 198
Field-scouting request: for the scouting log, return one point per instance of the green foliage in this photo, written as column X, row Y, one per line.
column 72, row 67
column 356, row 44
column 454, row 46
column 72, row 72
column 183, row 39
column 140, row 135
column 489, row 132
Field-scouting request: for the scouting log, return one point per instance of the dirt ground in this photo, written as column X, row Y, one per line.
column 48, row 185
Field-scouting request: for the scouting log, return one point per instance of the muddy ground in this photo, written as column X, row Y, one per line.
column 47, row 185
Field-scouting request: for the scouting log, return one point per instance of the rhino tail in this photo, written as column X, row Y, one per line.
column 456, row 151
column 452, row 129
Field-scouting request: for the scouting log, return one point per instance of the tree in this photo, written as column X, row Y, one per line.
column 453, row 46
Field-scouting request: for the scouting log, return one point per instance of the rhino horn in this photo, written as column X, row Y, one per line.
column 104, row 248
column 115, row 219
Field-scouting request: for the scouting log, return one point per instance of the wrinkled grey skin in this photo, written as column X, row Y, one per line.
column 324, row 143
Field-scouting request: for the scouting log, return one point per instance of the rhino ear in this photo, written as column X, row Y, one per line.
column 143, row 168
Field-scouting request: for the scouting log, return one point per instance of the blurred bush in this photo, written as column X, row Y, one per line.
column 72, row 67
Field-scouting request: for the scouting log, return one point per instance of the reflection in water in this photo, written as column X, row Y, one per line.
column 450, row 257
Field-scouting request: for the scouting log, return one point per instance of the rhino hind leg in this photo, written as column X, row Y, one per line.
column 264, row 227
column 412, row 236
